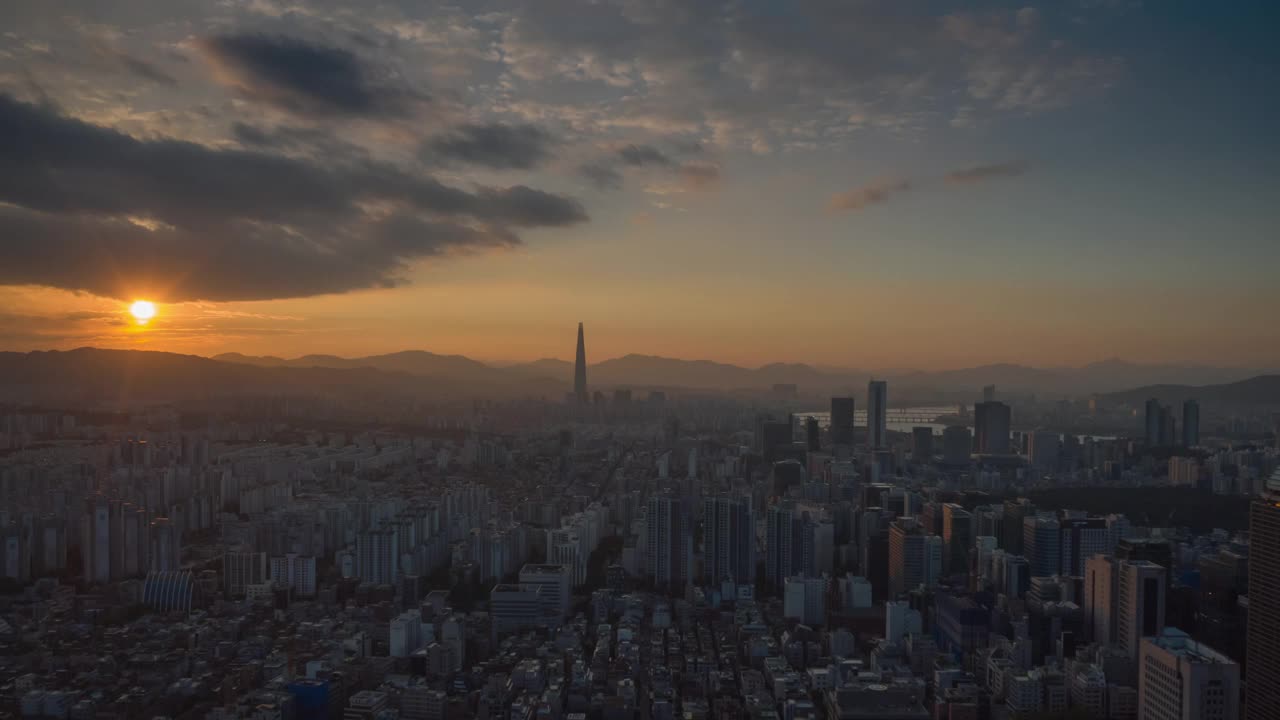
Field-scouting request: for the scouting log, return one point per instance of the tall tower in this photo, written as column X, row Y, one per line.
column 580, row 369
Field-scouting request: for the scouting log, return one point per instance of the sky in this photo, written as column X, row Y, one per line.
column 847, row 183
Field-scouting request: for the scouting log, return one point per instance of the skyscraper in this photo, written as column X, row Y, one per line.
column 991, row 426
column 1262, row 652
column 915, row 557
column 580, row 369
column 957, row 537
column 1190, row 423
column 841, row 421
column 1140, row 604
column 877, row 413
column 1099, row 597
column 922, row 444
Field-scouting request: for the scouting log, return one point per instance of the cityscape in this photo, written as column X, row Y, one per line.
column 639, row 360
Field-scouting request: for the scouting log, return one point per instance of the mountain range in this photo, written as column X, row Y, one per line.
column 650, row 371
column 53, row 377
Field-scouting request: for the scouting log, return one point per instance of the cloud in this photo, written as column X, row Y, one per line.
column 302, row 77
column 494, row 145
column 84, row 207
column 606, row 172
column 132, row 64
column 981, row 173
column 873, row 193
column 642, row 155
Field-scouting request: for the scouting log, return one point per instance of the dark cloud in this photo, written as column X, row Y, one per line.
column 642, row 155
column 84, row 207
column 606, row 172
column 493, row 145
column 252, row 135
column 980, row 173
column 136, row 66
column 302, row 77
column 873, row 193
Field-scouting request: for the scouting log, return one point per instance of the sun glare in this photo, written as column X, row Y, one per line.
column 142, row 311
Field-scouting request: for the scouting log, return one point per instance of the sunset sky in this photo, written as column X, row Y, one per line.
column 849, row 183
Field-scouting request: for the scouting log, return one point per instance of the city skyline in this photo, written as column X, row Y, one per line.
column 469, row 181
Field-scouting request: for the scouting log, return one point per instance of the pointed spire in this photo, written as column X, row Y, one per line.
column 580, row 369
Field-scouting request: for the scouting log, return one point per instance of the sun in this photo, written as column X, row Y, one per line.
column 142, row 311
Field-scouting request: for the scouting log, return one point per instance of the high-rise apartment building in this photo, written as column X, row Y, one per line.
column 668, row 538
column 729, row 543
column 1262, row 635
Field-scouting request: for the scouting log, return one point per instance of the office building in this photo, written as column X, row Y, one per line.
column 1140, row 603
column 728, row 541
column 669, row 540
column 812, row 435
column 1081, row 539
column 1191, row 424
column 957, row 538
column 915, row 557
column 1042, row 544
column 877, row 414
column 1099, row 599
column 554, row 586
column 1181, row 679
column 957, row 445
column 922, row 444
column 901, row 620
column 365, row 705
column 842, row 410
column 405, row 633
column 1159, row 425
column 992, row 423
column 1044, row 450
column 1262, row 634
column 516, row 607
column 804, row 599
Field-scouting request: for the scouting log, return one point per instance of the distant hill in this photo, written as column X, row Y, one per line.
column 118, row 373
column 416, row 362
column 1258, row 393
column 137, row 376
